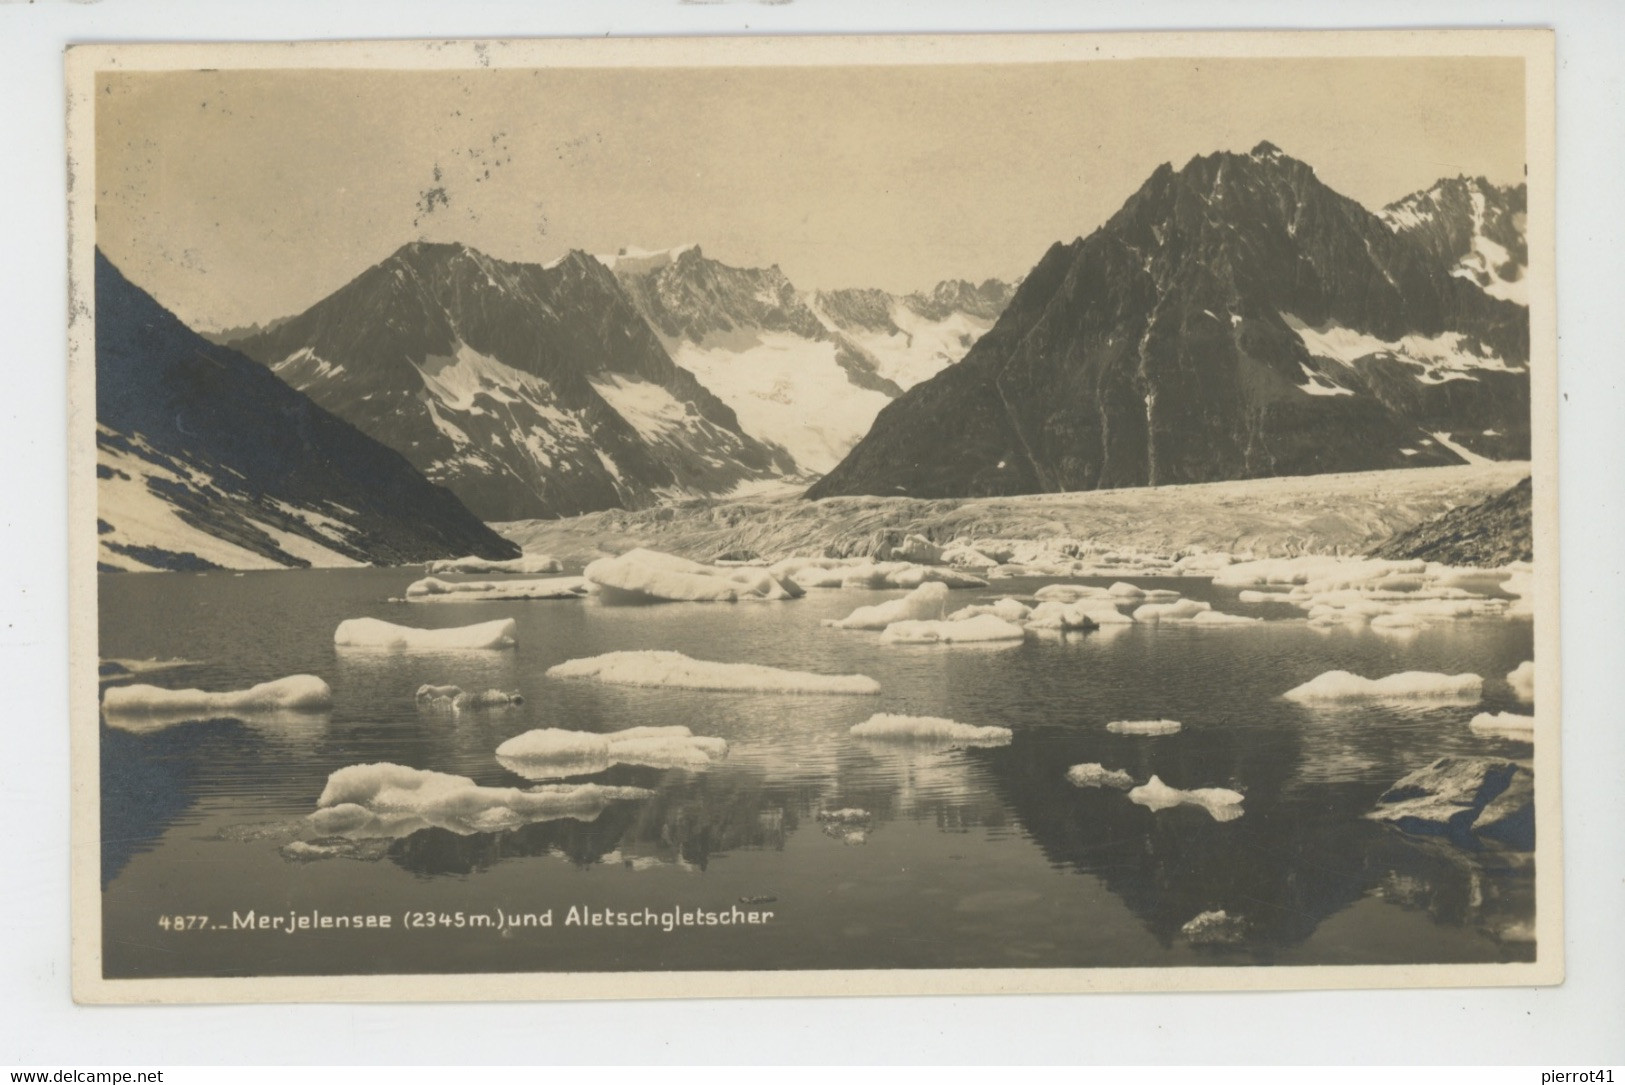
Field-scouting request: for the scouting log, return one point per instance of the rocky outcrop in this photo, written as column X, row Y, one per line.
column 1464, row 798
column 1486, row 534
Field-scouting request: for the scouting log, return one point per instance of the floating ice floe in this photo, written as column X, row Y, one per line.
column 1522, row 680
column 1216, row 617
column 550, row 753
column 924, row 603
column 885, row 725
column 1404, row 686
column 1070, row 593
column 829, row 573
column 142, row 707
column 1097, row 775
column 1124, row 590
column 967, row 557
column 389, row 800
column 918, row 549
column 979, row 630
column 1222, row 803
column 1061, row 616
column 434, row 590
column 1391, row 596
column 1144, row 727
column 648, row 576
column 374, row 633
column 847, row 815
column 1504, row 723
column 677, row 671
column 525, row 563
column 456, row 699
column 1007, row 609
column 1182, row 610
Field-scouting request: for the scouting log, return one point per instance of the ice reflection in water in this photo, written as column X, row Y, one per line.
column 969, row 857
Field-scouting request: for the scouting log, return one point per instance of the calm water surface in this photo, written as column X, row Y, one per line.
column 973, row 857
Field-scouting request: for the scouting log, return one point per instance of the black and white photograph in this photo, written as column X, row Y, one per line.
column 871, row 515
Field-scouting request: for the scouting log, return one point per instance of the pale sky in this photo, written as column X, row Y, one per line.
column 240, row 196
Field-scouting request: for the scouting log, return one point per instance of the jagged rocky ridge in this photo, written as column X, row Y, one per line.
column 1487, row 534
column 204, row 459
column 528, row 391
column 805, row 372
column 1472, row 229
column 1235, row 319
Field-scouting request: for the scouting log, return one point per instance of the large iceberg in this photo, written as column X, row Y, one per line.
column 884, row 725
column 141, row 707
column 550, row 753
column 389, row 800
column 434, row 590
column 1522, row 680
column 1404, row 686
column 649, row 576
column 375, row 633
column 525, row 563
column 924, row 603
column 979, row 630
column 1221, row 802
column 677, row 671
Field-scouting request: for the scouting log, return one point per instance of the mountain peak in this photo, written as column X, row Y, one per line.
column 1266, row 149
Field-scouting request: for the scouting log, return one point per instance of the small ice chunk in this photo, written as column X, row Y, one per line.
column 1522, row 680
column 847, row 815
column 924, row 603
column 550, row 753
column 142, row 704
column 1010, row 610
column 389, row 800
column 1214, row 617
column 1181, row 610
column 1097, row 775
column 434, row 590
column 1248, row 595
column 1504, row 723
column 885, row 725
column 525, row 563
column 978, row 630
column 647, row 576
column 1221, row 802
column 1404, row 686
column 1144, row 727
column 1124, row 590
column 1215, row 928
column 456, row 699
column 677, row 671
column 1069, row 593
column 375, row 633
column 1063, row 616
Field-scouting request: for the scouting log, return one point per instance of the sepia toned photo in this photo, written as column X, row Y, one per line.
column 564, row 519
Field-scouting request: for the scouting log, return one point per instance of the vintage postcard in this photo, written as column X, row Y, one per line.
column 679, row 517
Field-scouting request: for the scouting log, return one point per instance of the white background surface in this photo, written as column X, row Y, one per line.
column 1580, row 1023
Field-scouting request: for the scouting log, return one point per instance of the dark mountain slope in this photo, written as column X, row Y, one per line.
column 527, row 390
column 1235, row 319
column 207, row 459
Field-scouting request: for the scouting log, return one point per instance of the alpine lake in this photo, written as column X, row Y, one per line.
column 948, row 857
